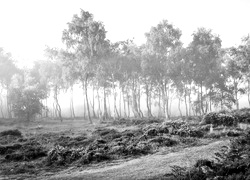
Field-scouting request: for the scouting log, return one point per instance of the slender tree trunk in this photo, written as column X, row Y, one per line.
column 47, row 108
column 72, row 102
column 189, row 99
column 206, row 102
column 167, row 101
column 58, row 107
column 99, row 104
column 116, row 114
column 128, row 104
column 1, row 101
column 87, row 101
column 236, row 94
column 120, row 102
column 139, row 101
column 148, row 101
column 201, row 99
column 93, row 102
column 170, row 106
column 124, row 103
column 53, row 110
column 179, row 106
column 185, row 100
column 72, row 111
column 210, row 101
column 8, row 104
column 163, row 100
column 159, row 103
column 84, row 101
column 109, row 107
column 56, row 110
column 105, row 112
column 134, row 100
column 84, row 107
column 59, row 112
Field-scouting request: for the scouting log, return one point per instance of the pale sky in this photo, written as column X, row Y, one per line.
column 27, row 26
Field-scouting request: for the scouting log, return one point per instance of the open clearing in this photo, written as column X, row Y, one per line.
column 151, row 165
column 147, row 167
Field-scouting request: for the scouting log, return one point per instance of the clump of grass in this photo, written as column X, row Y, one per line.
column 136, row 121
column 25, row 152
column 111, row 144
column 11, row 132
column 231, row 163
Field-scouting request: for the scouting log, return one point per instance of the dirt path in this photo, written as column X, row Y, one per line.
column 145, row 167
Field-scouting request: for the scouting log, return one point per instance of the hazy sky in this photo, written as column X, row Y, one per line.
column 27, row 26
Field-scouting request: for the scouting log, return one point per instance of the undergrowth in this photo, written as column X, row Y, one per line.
column 231, row 163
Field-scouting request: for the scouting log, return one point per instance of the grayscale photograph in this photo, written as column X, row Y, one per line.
column 125, row 90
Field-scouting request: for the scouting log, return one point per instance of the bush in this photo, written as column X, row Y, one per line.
column 136, row 121
column 243, row 115
column 215, row 135
column 189, row 140
column 23, row 152
column 14, row 132
column 184, row 130
column 220, row 118
column 107, row 134
column 26, row 101
column 163, row 141
column 59, row 155
column 9, row 149
column 227, row 118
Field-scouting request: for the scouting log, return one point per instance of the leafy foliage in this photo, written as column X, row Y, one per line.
column 227, row 118
column 220, row 118
column 26, row 95
column 26, row 102
column 7, row 68
column 14, row 132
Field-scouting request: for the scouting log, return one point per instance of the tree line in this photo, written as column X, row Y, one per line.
column 202, row 76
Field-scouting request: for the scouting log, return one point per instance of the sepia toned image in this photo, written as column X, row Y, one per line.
column 124, row 90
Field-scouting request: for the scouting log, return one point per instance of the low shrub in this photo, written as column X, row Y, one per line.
column 227, row 118
column 111, row 144
column 25, row 152
column 215, row 135
column 243, row 115
column 11, row 132
column 22, row 168
column 189, row 141
column 136, row 121
column 9, row 148
column 220, row 118
column 62, row 155
column 163, row 141
column 231, row 163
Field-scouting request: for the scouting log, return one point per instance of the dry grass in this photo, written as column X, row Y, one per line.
column 146, row 167
column 41, row 126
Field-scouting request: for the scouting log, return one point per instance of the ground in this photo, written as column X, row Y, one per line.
column 146, row 167
column 47, row 132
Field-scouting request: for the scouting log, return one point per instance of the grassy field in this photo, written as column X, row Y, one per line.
column 124, row 149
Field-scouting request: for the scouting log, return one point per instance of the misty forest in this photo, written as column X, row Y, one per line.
column 97, row 109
